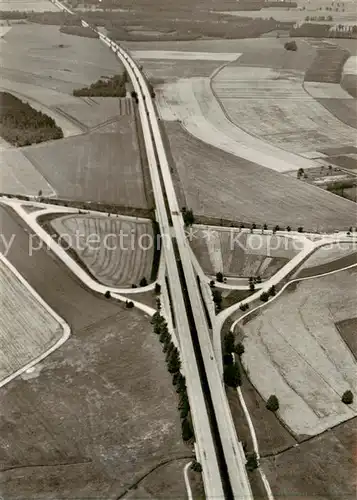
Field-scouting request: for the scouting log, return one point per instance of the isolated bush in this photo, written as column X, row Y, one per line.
column 143, row 282
column 217, row 298
column 231, row 375
column 290, row 45
column 347, row 398
column 272, row 291
column 252, row 462
column 219, row 277
column 211, row 283
column 188, row 217
column 251, row 287
column 196, row 466
column 264, row 297
column 273, row 403
column 300, row 229
column 157, row 288
column 228, row 342
column 186, row 429
column 129, row 304
column 107, row 294
column 239, row 349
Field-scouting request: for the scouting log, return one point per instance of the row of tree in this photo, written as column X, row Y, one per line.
column 114, row 86
column 174, row 365
column 22, row 125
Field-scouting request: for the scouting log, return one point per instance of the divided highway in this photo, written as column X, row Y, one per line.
column 220, row 453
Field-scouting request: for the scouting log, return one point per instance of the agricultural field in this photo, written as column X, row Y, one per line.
column 24, row 5
column 323, row 467
column 216, row 184
column 113, row 260
column 101, row 403
column 103, row 165
column 329, row 253
column 273, row 105
column 192, row 102
column 27, row 328
column 240, row 254
column 301, row 356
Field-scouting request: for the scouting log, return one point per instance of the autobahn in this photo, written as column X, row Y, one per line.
column 220, row 453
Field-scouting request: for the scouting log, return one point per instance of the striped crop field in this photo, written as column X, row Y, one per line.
column 241, row 254
column 27, row 329
column 114, row 250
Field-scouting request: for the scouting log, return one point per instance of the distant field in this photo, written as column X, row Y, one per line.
column 240, row 254
column 192, row 102
column 45, row 57
column 217, row 184
column 111, row 260
column 27, row 329
column 100, row 166
column 274, row 106
column 24, row 5
column 301, row 356
column 322, row 468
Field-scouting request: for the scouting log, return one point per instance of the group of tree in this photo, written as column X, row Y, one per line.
column 22, row 125
column 291, row 45
column 174, row 365
column 188, row 216
column 270, row 293
column 231, row 371
column 217, row 298
column 109, row 87
column 79, row 31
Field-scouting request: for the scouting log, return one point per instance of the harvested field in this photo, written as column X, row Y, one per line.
column 159, row 71
column 333, row 265
column 19, row 176
column 100, row 404
column 209, row 178
column 240, row 253
column 192, row 102
column 295, row 341
column 328, row 63
column 344, row 110
column 114, row 260
column 322, row 468
column 45, row 57
column 273, row 105
column 100, row 166
column 329, row 253
column 27, row 327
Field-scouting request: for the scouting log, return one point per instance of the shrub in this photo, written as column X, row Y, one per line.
column 157, row 288
column 196, row 466
column 107, row 294
column 264, row 297
column 211, row 283
column 239, row 349
column 219, row 277
column 272, row 291
column 228, row 342
column 252, row 287
column 186, row 429
column 252, row 462
column 273, row 403
column 231, row 375
column 347, row 398
column 143, row 282
column 217, row 298
column 129, row 304
column 290, row 46
column 227, row 359
column 188, row 217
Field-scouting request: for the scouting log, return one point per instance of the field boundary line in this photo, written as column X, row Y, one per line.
column 65, row 327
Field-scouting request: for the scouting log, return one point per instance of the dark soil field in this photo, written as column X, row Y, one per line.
column 98, row 414
column 340, row 263
column 322, row 468
column 218, row 184
column 100, row 166
column 344, row 109
column 348, row 331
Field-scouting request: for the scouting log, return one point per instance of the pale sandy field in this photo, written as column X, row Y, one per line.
column 27, row 329
column 112, row 259
column 24, row 5
column 301, row 355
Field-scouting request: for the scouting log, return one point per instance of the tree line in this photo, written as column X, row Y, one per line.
column 110, row 87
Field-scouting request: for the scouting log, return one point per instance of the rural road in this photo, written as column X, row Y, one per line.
column 189, row 313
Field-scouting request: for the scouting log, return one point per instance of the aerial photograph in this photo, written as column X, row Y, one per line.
column 178, row 250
